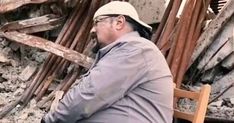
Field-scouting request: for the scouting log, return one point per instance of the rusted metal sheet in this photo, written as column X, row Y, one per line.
column 9, row 5
column 38, row 24
column 51, row 47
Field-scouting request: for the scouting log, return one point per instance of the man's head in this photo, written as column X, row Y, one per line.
column 116, row 19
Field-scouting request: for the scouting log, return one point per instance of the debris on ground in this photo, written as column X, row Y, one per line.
column 45, row 46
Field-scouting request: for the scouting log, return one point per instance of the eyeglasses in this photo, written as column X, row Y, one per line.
column 97, row 20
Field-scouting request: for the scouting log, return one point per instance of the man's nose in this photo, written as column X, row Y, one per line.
column 93, row 30
column 93, row 33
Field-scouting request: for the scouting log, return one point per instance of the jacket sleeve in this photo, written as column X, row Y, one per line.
column 108, row 81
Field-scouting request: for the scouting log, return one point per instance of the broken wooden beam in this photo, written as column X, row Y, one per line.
column 162, row 24
column 225, row 50
column 51, row 47
column 213, row 29
column 9, row 5
column 225, row 36
column 33, row 25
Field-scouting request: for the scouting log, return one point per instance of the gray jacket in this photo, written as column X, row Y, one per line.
column 130, row 82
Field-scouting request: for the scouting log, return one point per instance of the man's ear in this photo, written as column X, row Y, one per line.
column 120, row 22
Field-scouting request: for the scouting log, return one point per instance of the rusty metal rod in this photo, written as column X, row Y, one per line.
column 58, row 66
column 180, row 42
column 198, row 29
column 170, row 24
column 161, row 26
column 50, row 57
column 51, row 95
column 66, row 37
column 186, row 52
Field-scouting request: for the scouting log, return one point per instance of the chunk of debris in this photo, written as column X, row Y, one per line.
column 3, row 58
column 228, row 63
column 28, row 72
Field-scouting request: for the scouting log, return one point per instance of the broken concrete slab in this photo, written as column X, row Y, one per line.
column 217, row 103
column 3, row 58
column 228, row 63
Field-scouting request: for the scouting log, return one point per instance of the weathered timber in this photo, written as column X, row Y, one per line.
column 226, row 35
column 33, row 25
column 51, row 47
column 219, row 85
column 222, row 92
column 213, row 29
column 199, row 26
column 14, row 4
column 226, row 50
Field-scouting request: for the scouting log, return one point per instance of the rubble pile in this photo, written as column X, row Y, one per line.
column 45, row 46
column 17, row 67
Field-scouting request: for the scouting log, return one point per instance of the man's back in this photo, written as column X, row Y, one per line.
column 149, row 88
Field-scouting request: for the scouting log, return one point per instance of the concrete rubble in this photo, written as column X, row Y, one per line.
column 45, row 46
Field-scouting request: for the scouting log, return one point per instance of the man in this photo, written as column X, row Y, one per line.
column 129, row 82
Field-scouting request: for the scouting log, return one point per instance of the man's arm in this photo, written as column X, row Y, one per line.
column 106, row 83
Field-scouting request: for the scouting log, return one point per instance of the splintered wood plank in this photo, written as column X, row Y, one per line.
column 38, row 24
column 226, row 50
column 225, row 36
column 213, row 29
column 221, row 84
column 10, row 5
column 51, row 47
